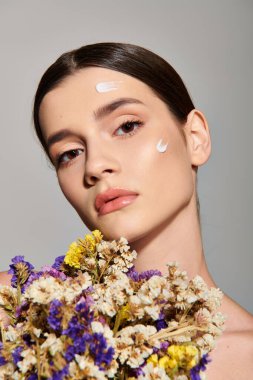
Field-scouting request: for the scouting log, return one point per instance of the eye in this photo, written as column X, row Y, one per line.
column 129, row 128
column 66, row 157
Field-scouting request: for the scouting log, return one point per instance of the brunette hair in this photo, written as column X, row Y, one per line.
column 129, row 59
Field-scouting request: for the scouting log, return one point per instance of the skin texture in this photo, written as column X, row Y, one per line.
column 162, row 223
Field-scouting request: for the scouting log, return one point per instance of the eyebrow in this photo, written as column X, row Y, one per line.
column 98, row 114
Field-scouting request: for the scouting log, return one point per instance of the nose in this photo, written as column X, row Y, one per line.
column 99, row 165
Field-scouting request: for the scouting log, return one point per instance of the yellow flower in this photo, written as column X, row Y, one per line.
column 153, row 359
column 183, row 356
column 90, row 243
column 164, row 362
column 74, row 255
column 77, row 249
column 97, row 235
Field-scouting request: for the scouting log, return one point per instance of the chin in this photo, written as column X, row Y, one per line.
column 119, row 227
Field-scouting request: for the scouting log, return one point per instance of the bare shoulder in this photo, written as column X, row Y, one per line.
column 232, row 357
column 5, row 278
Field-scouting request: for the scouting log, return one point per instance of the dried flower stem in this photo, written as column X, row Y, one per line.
column 167, row 333
column 2, row 332
column 18, row 293
column 38, row 358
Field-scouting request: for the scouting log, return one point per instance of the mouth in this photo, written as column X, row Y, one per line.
column 114, row 199
column 116, row 204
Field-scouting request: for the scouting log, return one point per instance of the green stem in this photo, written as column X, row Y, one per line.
column 117, row 323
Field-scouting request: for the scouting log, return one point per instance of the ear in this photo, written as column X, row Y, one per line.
column 198, row 137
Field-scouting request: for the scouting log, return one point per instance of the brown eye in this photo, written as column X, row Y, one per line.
column 129, row 128
column 68, row 156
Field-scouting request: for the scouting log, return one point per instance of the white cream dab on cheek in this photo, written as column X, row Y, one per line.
column 107, row 86
column 161, row 147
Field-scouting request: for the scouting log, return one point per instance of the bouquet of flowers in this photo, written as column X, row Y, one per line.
column 92, row 316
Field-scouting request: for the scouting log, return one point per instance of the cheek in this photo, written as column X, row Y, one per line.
column 71, row 186
column 167, row 177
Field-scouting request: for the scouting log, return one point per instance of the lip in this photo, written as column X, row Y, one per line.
column 114, row 199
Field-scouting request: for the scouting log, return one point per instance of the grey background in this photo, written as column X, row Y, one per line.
column 210, row 45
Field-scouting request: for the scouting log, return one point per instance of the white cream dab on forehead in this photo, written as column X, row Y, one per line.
column 161, row 147
column 107, row 86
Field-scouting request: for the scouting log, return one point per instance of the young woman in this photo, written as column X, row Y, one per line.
column 126, row 141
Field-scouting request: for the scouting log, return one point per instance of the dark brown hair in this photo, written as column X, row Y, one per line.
column 129, row 59
column 132, row 60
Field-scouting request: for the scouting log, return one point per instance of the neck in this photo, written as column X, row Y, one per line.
column 177, row 240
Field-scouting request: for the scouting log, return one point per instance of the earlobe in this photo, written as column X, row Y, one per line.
column 198, row 137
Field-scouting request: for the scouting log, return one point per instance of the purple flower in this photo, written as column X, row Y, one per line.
column 160, row 324
column 54, row 319
column 135, row 372
column 194, row 372
column 84, row 312
column 18, row 267
column 146, row 275
column 58, row 262
column 59, row 375
column 164, row 346
column 27, row 339
column 34, row 376
column 22, row 307
column 16, row 354
column 33, row 276
column 54, row 272
column 74, row 329
column 2, row 359
column 78, row 347
column 98, row 347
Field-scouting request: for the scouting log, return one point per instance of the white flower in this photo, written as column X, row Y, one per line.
column 11, row 334
column 53, row 343
column 6, row 371
column 29, row 359
column 132, row 344
column 44, row 290
column 90, row 370
column 74, row 287
column 153, row 373
column 153, row 311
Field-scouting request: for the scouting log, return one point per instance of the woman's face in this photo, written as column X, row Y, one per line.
column 115, row 147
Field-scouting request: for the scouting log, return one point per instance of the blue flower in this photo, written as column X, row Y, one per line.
column 84, row 312
column 27, row 339
column 16, row 354
column 54, row 320
column 194, row 372
column 2, row 359
column 58, row 262
column 81, row 322
column 78, row 347
column 75, row 328
column 34, row 376
column 59, row 375
column 98, row 347
column 18, row 267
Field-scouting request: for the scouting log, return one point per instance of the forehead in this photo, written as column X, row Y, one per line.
column 77, row 96
column 97, row 84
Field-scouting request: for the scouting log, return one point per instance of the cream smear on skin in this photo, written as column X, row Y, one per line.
column 161, row 147
column 107, row 86
column 114, row 85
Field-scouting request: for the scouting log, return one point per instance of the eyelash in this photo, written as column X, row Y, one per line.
column 59, row 159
